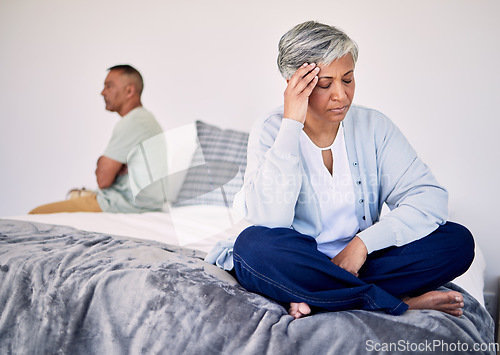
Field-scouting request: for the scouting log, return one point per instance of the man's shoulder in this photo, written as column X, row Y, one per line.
column 137, row 118
column 138, row 113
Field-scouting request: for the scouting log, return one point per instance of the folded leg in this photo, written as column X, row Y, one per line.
column 287, row 266
column 422, row 265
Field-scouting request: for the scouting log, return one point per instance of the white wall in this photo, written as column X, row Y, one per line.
column 432, row 66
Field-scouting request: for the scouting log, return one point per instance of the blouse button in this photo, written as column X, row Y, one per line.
column 358, row 182
column 355, row 163
column 361, row 200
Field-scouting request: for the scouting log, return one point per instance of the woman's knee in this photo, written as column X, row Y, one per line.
column 255, row 241
column 465, row 241
column 266, row 244
column 460, row 245
column 247, row 239
column 461, row 237
column 254, row 252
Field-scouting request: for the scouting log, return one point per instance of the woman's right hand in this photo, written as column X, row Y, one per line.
column 300, row 87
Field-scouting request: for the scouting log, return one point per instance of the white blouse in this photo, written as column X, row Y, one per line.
column 334, row 191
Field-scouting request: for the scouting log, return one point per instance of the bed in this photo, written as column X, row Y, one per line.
column 83, row 283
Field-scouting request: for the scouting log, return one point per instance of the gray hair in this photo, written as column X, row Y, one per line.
column 313, row 42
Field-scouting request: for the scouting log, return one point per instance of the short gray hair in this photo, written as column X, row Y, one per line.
column 313, row 42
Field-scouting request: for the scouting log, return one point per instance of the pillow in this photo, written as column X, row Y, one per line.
column 217, row 167
column 158, row 165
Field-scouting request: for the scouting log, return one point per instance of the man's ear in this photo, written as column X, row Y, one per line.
column 130, row 90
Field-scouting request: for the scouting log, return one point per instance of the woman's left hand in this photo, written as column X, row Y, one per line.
column 352, row 257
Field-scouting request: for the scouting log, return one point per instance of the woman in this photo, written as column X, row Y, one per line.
column 318, row 173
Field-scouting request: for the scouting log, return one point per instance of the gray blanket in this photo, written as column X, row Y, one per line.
column 69, row 291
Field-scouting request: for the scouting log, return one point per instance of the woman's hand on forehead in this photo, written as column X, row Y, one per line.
column 299, row 88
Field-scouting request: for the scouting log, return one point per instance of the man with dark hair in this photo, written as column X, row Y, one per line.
column 122, row 94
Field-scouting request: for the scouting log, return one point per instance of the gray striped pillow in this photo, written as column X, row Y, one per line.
column 217, row 167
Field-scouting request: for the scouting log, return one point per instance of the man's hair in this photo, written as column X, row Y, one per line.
column 133, row 73
column 313, row 42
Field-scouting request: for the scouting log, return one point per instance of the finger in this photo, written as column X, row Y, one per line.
column 301, row 73
column 308, row 82
column 314, row 69
column 310, row 87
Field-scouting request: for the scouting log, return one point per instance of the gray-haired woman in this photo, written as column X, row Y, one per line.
column 319, row 170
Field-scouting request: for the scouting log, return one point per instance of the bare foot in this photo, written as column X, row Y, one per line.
column 299, row 310
column 450, row 302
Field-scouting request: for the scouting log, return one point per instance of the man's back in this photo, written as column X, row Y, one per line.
column 135, row 127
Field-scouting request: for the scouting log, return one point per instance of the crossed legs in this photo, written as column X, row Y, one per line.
column 286, row 265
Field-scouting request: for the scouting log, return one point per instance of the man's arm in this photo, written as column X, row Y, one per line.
column 107, row 170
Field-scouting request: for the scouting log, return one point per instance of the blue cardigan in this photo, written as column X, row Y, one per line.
column 385, row 169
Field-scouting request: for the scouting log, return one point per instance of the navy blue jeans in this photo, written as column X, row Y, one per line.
column 285, row 265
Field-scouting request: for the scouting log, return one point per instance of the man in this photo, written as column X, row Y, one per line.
column 122, row 94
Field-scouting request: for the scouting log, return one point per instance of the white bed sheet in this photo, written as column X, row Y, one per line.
column 199, row 227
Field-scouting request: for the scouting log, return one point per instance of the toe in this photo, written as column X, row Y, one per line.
column 304, row 308
column 454, row 297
